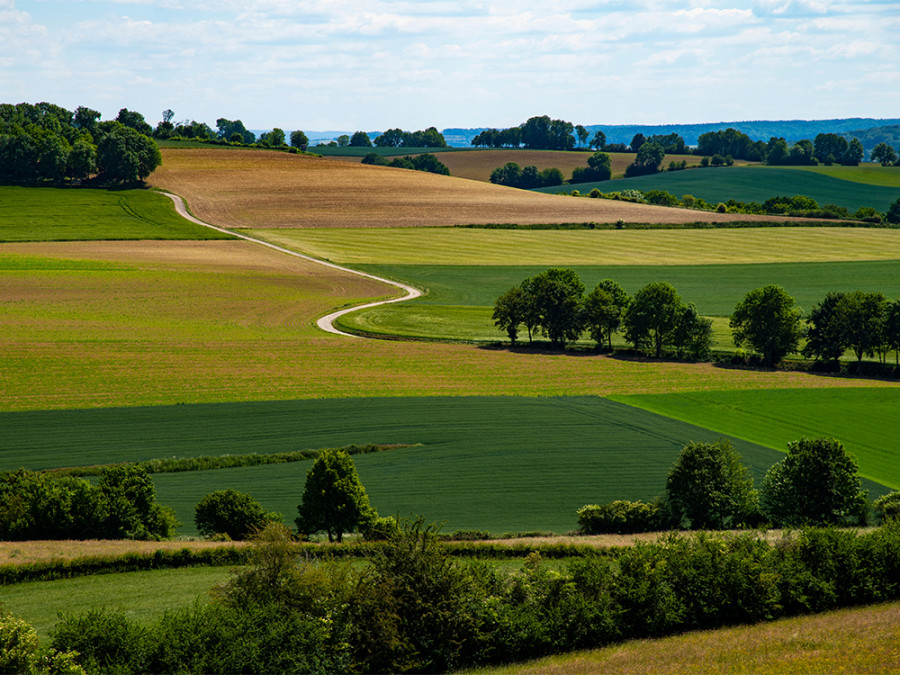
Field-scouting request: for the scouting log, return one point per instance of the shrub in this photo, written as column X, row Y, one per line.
column 887, row 507
column 106, row 640
column 620, row 517
column 231, row 512
column 18, row 645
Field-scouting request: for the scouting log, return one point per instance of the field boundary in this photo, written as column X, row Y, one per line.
column 325, row 323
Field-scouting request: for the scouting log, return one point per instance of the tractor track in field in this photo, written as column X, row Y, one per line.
column 325, row 323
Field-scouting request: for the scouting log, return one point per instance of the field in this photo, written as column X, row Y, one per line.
column 256, row 188
column 757, row 184
column 53, row 214
column 847, row 641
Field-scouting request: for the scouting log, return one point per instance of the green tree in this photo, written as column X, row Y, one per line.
column 334, row 500
column 692, row 336
column 884, row 154
column 343, row 141
column 557, row 296
column 582, row 134
column 825, row 340
column 124, row 155
column 893, row 213
column 816, row 484
column 777, row 151
column 599, row 167
column 767, row 320
column 709, row 487
column 360, row 139
column 230, row 512
column 128, row 507
column 509, row 310
column 134, row 120
column 862, row 316
column 892, row 328
column 647, row 161
column 652, row 317
column 830, row 146
column 854, row 154
column 598, row 142
column 299, row 140
column 604, row 308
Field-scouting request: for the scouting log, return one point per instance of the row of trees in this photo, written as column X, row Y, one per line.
column 553, row 303
column 512, row 175
column 397, row 138
column 424, row 162
column 47, row 143
column 824, row 149
column 122, row 505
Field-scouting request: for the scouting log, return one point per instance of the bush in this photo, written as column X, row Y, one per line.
column 887, row 507
column 619, row 517
column 106, row 640
column 231, row 512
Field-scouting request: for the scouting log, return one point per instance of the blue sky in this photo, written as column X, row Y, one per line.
column 374, row 64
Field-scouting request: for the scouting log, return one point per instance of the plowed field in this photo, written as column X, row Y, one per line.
column 257, row 188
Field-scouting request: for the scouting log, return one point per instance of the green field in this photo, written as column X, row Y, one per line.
column 864, row 419
column 143, row 596
column 494, row 463
column 57, row 214
column 757, row 184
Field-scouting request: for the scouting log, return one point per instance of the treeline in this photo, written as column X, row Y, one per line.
column 816, row 484
column 413, row 608
column 424, row 162
column 44, row 143
column 122, row 505
column 656, row 319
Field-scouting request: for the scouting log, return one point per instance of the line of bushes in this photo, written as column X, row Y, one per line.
column 413, row 608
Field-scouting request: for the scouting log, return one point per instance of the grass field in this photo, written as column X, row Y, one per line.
column 55, row 214
column 872, row 174
column 464, row 246
column 256, row 188
column 143, row 596
column 757, row 184
column 859, row 640
column 514, row 464
column 865, row 420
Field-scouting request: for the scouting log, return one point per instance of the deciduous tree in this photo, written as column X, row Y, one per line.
column 334, row 500
column 767, row 320
column 652, row 316
column 603, row 310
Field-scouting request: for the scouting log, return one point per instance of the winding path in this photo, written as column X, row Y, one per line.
column 326, row 323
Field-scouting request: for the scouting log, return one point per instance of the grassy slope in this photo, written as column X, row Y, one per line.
column 865, row 420
column 756, row 184
column 515, row 464
column 859, row 640
column 53, row 214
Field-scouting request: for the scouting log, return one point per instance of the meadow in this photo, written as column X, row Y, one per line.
column 57, row 214
column 828, row 185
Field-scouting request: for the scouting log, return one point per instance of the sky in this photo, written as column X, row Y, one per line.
column 377, row 64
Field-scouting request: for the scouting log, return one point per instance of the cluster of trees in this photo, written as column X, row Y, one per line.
column 424, row 162
column 708, row 487
column 512, row 175
column 536, row 133
column 122, row 505
column 599, row 167
column 553, row 302
column 885, row 155
column 46, row 143
column 397, row 138
column 824, row 149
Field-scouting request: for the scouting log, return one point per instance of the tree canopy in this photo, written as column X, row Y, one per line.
column 334, row 500
column 768, row 322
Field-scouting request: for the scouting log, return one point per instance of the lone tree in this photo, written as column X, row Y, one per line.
column 334, row 499
column 230, row 512
column 816, row 484
column 767, row 320
column 708, row 487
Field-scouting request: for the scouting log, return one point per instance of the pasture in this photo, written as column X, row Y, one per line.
column 256, row 188
column 514, row 464
column 57, row 214
column 864, row 419
column 759, row 183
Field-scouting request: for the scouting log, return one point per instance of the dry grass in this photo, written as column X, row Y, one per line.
column 23, row 552
column 860, row 640
column 618, row 540
column 261, row 189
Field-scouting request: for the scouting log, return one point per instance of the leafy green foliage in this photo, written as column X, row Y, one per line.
column 653, row 317
column 709, row 487
column 230, row 512
column 527, row 178
column 816, row 484
column 767, row 321
column 334, row 500
column 887, row 507
column 604, row 308
column 649, row 156
column 620, row 516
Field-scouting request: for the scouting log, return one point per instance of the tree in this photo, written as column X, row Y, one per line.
column 299, row 140
column 693, row 334
column 647, row 161
column 274, row 138
column 127, row 156
column 557, row 296
column 343, row 141
column 637, row 142
column 86, row 118
column 599, row 168
column 582, row 134
column 825, row 340
column 82, row 160
column 360, row 139
column 854, row 154
column 767, row 320
column 230, row 512
column 128, row 506
column 652, row 316
column 603, row 310
column 134, row 120
column 884, row 154
column 598, row 142
column 830, row 148
column 816, row 484
column 228, row 128
column 509, row 312
column 892, row 328
column 777, row 151
column 893, row 213
column 709, row 487
column 862, row 319
column 334, row 500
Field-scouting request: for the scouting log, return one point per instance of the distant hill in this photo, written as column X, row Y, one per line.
column 791, row 130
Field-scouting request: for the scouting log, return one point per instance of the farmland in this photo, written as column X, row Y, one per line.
column 757, row 184
column 53, row 214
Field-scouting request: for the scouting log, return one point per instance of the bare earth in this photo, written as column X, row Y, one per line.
column 258, row 188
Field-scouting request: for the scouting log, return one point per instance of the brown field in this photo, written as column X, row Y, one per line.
column 859, row 640
column 259, row 189
column 229, row 321
column 24, row 552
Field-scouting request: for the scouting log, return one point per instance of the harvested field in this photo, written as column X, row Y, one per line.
column 24, row 552
column 255, row 188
